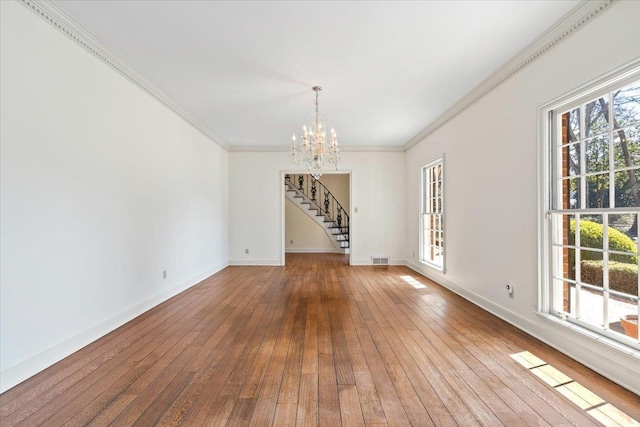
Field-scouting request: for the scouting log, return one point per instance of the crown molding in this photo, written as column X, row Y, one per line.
column 66, row 24
column 258, row 149
column 567, row 25
column 283, row 149
column 372, row 148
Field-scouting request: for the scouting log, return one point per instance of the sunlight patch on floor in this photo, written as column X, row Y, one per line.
column 581, row 396
column 413, row 282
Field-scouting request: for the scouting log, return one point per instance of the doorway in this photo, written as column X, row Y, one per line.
column 316, row 215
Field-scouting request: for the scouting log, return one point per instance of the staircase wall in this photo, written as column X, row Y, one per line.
column 306, row 234
column 338, row 184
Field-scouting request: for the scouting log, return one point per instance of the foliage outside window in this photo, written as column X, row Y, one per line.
column 595, row 209
column 432, row 215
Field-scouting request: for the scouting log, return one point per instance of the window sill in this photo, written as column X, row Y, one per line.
column 433, row 266
column 614, row 345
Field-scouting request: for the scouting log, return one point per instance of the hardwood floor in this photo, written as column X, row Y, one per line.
column 316, row 343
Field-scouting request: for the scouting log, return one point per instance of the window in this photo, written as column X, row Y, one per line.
column 432, row 215
column 593, row 209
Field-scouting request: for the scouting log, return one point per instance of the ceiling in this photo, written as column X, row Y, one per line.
column 388, row 69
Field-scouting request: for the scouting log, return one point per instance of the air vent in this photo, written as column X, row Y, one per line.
column 379, row 260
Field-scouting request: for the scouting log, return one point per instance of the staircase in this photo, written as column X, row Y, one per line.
column 314, row 199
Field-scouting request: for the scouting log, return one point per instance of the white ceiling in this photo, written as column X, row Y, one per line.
column 388, row 69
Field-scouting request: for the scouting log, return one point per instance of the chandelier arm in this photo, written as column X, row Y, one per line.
column 314, row 153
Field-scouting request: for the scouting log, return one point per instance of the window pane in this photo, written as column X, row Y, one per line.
column 574, row 125
column 595, row 116
column 568, row 264
column 624, row 224
column 591, row 306
column 623, row 277
column 591, row 270
column 621, row 239
column 564, row 297
column 591, row 233
column 597, row 217
column 597, row 154
column 598, row 191
column 570, row 155
column 570, row 194
column 623, row 316
column 626, row 147
column 627, row 188
column 626, row 105
column 563, row 230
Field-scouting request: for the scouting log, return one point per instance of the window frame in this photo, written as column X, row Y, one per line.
column 547, row 195
column 422, row 212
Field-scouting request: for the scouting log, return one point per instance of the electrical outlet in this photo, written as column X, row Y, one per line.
column 246, row 251
column 164, row 274
column 414, row 254
column 292, row 242
column 509, row 288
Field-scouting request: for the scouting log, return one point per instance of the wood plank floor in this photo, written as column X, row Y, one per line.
column 316, row 343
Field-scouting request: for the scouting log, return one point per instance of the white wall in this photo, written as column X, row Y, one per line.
column 491, row 186
column 102, row 189
column 256, row 205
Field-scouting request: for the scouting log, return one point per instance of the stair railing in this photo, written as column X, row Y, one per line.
column 320, row 196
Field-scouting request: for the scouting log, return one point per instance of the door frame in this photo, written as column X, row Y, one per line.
column 283, row 172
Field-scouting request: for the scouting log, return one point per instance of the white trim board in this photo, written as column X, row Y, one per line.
column 255, row 262
column 311, row 250
column 343, row 149
column 367, row 262
column 27, row 368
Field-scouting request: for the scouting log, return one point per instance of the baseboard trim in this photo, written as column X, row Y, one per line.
column 27, row 368
column 255, row 262
column 312, row 250
column 565, row 340
column 368, row 262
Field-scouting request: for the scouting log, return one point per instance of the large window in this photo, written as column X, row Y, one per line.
column 593, row 209
column 432, row 215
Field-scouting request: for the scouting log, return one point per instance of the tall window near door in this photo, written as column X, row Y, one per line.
column 432, row 215
column 594, row 210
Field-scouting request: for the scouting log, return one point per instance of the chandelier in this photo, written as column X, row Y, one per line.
column 315, row 151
